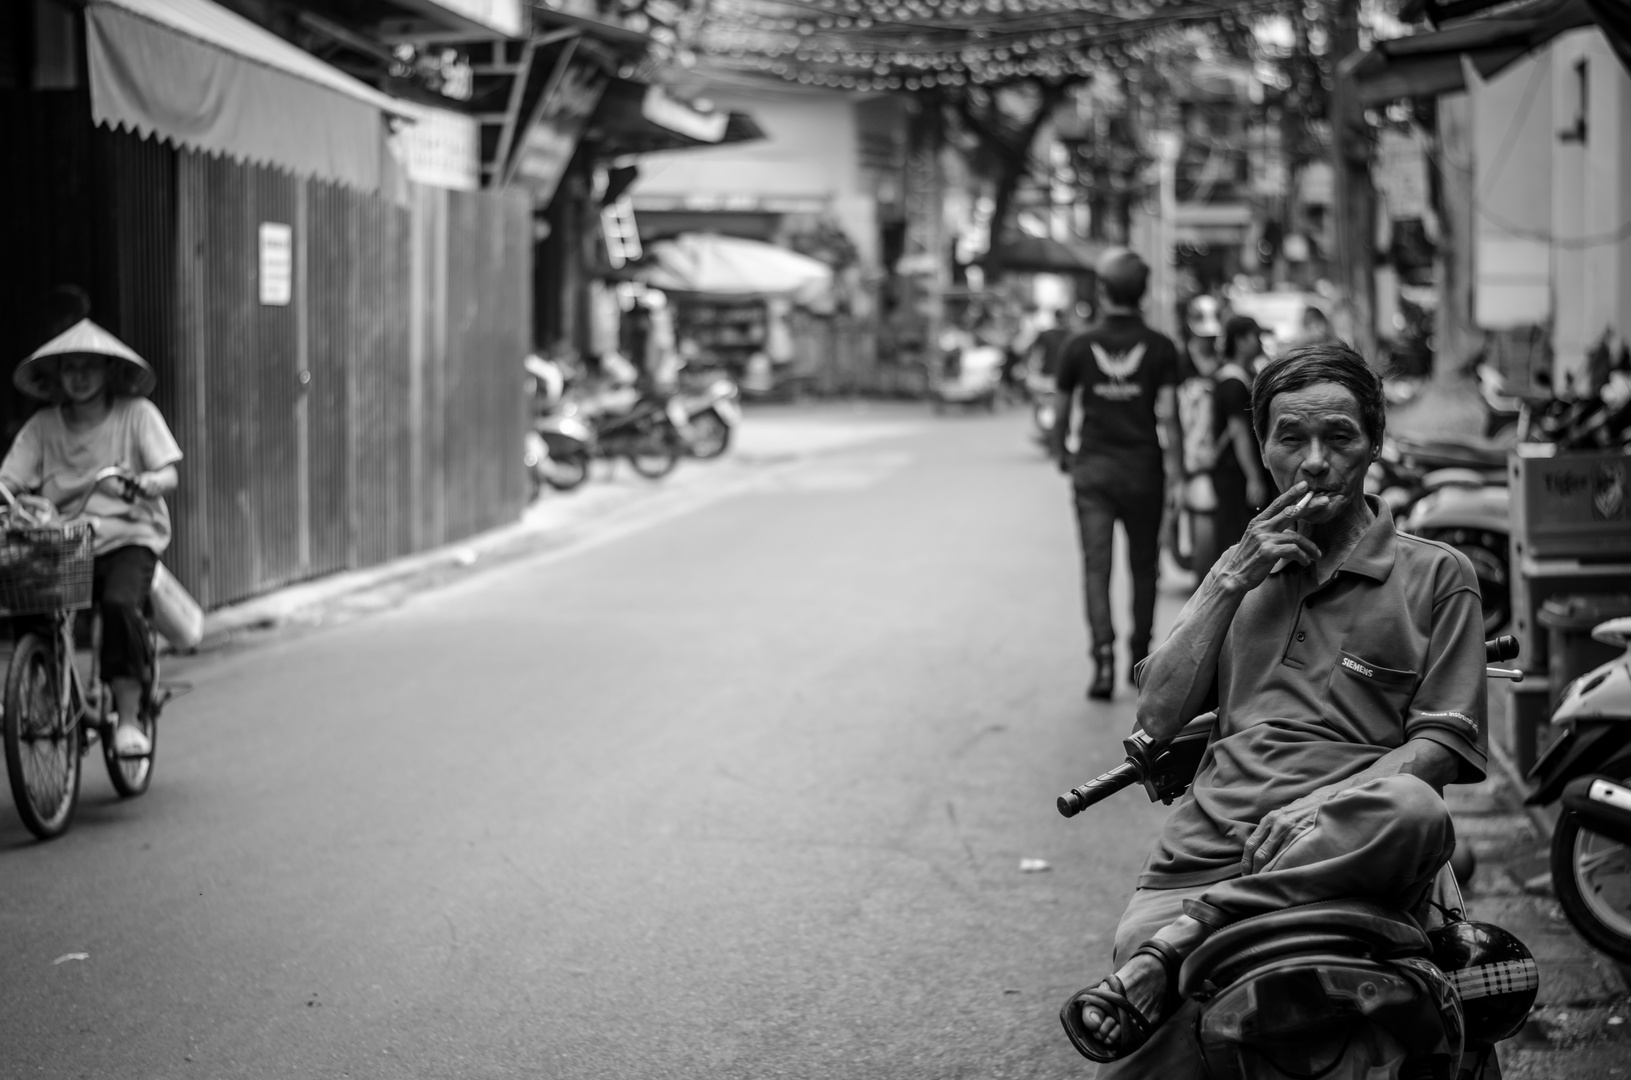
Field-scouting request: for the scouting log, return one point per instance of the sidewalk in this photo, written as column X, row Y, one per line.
column 770, row 440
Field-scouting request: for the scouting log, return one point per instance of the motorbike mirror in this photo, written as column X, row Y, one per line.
column 1615, row 632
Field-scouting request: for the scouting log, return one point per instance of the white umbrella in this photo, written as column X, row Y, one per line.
column 717, row 265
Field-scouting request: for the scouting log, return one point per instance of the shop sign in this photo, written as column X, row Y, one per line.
column 501, row 15
column 442, row 149
column 550, row 142
column 1401, row 174
column 276, row 264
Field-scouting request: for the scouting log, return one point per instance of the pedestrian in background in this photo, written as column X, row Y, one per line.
column 1050, row 343
column 1190, row 533
column 1239, row 478
column 1122, row 376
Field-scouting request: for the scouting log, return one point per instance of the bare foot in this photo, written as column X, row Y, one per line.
column 1145, row 982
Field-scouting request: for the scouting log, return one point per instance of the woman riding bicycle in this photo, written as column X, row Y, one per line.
column 98, row 415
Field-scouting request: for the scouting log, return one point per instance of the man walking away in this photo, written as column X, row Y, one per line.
column 1121, row 375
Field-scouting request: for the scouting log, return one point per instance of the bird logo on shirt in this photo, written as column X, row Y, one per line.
column 1118, row 367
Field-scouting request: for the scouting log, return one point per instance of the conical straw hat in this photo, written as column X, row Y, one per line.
column 37, row 376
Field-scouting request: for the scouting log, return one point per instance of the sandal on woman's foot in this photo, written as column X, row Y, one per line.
column 1110, row 998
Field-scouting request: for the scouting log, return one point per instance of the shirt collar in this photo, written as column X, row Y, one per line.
column 1373, row 556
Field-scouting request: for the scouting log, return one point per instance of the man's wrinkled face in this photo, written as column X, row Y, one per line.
column 84, row 377
column 1317, row 435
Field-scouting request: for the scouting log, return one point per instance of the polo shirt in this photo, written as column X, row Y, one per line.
column 1317, row 680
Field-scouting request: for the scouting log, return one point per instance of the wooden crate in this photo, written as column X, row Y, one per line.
column 1574, row 505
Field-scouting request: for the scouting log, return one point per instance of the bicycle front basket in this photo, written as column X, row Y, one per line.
column 45, row 568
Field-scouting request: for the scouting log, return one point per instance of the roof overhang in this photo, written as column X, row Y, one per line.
column 1430, row 64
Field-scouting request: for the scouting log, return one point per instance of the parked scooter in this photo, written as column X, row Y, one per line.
column 558, row 449
column 1343, row 989
column 712, row 416
column 1454, row 491
column 970, row 375
column 1588, row 770
column 651, row 433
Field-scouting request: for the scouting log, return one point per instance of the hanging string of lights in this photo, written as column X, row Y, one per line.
column 874, row 45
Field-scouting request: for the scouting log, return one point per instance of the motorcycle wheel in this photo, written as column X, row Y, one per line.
column 1591, row 875
column 1487, row 552
column 564, row 474
column 655, row 452
column 710, row 435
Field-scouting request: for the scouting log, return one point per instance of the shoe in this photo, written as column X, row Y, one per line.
column 1103, row 686
column 131, row 741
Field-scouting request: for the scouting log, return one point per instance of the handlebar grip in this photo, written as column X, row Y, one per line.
column 1504, row 647
column 1077, row 799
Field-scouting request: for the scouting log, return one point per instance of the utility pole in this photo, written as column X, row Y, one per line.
column 1355, row 195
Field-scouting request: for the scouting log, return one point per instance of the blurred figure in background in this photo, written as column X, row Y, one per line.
column 1315, row 328
column 1122, row 375
column 1192, row 522
column 1239, row 477
column 1050, row 343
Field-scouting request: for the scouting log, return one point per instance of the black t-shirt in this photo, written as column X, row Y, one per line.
column 1231, row 397
column 1114, row 370
column 1050, row 341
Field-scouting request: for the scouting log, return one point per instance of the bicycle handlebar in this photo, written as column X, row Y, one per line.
column 127, row 491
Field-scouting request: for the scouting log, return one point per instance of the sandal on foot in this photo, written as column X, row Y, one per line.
column 1110, row 998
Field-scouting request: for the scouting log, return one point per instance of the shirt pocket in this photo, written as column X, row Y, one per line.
column 1363, row 693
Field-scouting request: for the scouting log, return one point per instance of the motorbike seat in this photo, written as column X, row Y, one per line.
column 1359, row 927
column 1465, row 453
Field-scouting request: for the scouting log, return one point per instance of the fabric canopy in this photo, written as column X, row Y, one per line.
column 195, row 73
column 1041, row 255
column 714, row 265
column 1426, row 65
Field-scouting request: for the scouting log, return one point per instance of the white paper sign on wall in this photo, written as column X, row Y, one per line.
column 277, row 263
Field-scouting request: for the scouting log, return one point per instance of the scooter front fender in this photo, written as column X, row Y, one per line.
column 1586, row 748
column 1484, row 508
column 1602, row 804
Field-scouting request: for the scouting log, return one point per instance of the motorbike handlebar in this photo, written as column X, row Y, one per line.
column 1504, row 647
column 1099, row 788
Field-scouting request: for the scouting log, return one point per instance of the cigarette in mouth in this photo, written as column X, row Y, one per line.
column 1302, row 503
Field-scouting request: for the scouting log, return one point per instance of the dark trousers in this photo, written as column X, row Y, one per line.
column 1131, row 490
column 122, row 584
column 1384, row 840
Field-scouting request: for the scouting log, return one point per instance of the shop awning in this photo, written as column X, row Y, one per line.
column 1426, row 65
column 640, row 118
column 192, row 72
column 708, row 264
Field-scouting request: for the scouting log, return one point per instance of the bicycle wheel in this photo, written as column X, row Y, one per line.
column 131, row 775
column 42, row 744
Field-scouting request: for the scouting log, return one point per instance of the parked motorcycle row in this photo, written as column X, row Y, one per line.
column 652, row 430
column 1455, row 489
